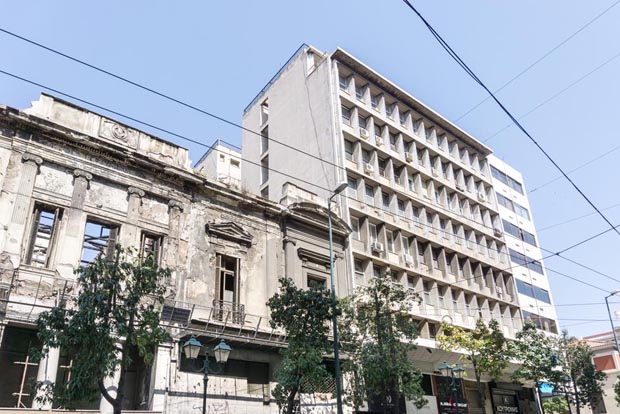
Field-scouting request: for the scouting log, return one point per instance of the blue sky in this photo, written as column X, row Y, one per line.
column 218, row 55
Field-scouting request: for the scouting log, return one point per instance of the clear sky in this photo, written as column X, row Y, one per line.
column 218, row 55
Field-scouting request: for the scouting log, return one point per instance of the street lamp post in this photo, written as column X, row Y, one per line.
column 192, row 347
column 332, row 260
column 454, row 372
column 613, row 329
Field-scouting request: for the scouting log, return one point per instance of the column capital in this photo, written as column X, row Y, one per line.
column 135, row 191
column 27, row 157
column 175, row 204
column 81, row 173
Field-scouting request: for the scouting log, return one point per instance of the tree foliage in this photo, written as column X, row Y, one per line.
column 586, row 381
column 305, row 315
column 377, row 334
column 485, row 347
column 617, row 391
column 116, row 308
column 536, row 355
column 556, row 405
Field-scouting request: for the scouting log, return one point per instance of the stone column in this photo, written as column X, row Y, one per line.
column 161, row 377
column 130, row 235
column 175, row 251
column 68, row 255
column 21, row 206
column 48, row 368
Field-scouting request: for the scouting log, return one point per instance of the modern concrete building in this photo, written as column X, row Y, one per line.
column 423, row 201
column 530, row 276
column 74, row 183
column 221, row 163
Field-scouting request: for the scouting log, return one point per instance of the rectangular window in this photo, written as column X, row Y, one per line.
column 344, row 82
column 150, row 245
column 421, row 252
column 366, row 156
column 316, row 282
column 386, row 200
column 415, row 214
column 43, row 235
column 519, row 233
column 503, row 201
column 227, row 280
column 523, row 260
column 346, row 115
column 401, row 207
column 404, row 241
column 264, row 140
column 410, row 283
column 348, row 150
column 355, row 228
column 507, row 180
column 542, row 294
column 382, row 164
column 372, row 232
column 359, row 268
column 390, row 240
column 352, row 188
column 389, row 110
column 392, row 141
column 376, row 271
column 524, row 288
column 374, row 100
column 403, row 118
column 99, row 240
column 515, row 185
column 363, row 122
column 370, row 194
column 264, row 112
column 359, row 92
column 264, row 170
column 378, row 131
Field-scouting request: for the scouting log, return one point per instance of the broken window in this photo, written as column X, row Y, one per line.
column 43, row 234
column 99, row 239
column 226, row 302
column 316, row 282
column 150, row 244
column 17, row 367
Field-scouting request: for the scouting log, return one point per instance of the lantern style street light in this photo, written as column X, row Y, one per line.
column 613, row 328
column 455, row 373
column 191, row 349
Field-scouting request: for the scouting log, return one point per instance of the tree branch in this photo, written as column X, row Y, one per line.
column 105, row 392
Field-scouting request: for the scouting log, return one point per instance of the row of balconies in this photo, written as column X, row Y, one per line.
column 393, row 118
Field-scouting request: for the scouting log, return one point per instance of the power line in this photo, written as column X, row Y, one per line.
column 284, row 174
column 552, row 97
column 575, row 218
column 466, row 68
column 167, row 97
column 540, row 59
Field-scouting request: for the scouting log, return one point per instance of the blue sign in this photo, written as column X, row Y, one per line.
column 545, row 388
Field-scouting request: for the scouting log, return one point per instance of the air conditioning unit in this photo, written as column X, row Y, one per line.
column 378, row 140
column 434, row 172
column 408, row 259
column 497, row 232
column 376, row 247
column 408, row 156
column 369, row 169
column 482, row 196
column 363, row 133
column 460, row 187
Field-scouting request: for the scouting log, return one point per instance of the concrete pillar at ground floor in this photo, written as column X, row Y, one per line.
column 161, row 377
column 111, row 386
column 46, row 375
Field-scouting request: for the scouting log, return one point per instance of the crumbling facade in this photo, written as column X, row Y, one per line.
column 74, row 183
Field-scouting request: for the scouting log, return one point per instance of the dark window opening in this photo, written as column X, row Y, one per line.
column 43, row 234
column 99, row 239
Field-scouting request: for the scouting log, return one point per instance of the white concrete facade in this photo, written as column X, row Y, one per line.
column 221, row 163
column 421, row 199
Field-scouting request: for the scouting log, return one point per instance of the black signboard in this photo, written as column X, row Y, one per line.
column 449, row 401
column 505, row 401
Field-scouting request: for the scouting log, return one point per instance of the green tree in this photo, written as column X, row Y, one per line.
column 556, row 405
column 537, row 356
column 305, row 316
column 377, row 335
column 617, row 391
column 117, row 308
column 485, row 348
column 586, row 381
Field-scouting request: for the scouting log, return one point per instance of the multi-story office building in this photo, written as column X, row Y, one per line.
column 530, row 277
column 221, row 163
column 421, row 199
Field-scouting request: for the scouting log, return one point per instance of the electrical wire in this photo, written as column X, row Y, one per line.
column 257, row 164
column 466, row 68
column 540, row 59
column 574, row 219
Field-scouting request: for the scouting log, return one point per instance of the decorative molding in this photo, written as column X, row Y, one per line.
column 230, row 231
column 175, row 204
column 135, row 191
column 312, row 256
column 81, row 173
column 290, row 240
column 26, row 157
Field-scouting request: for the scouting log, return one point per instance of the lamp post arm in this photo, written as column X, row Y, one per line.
column 613, row 328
